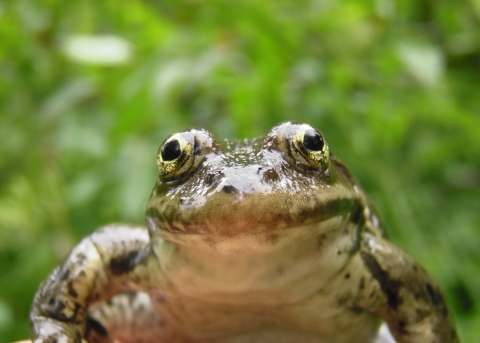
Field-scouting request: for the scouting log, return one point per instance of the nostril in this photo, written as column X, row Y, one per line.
column 229, row 189
column 270, row 174
column 212, row 177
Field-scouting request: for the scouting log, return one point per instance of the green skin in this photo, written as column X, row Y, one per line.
column 251, row 241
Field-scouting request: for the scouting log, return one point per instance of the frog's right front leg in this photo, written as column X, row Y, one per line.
column 109, row 261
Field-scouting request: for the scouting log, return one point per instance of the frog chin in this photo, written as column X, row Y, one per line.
column 251, row 241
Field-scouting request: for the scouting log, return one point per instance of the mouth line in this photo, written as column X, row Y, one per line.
column 220, row 217
column 311, row 228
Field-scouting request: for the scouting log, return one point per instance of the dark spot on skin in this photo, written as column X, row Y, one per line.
column 343, row 300
column 401, row 327
column 196, row 147
column 389, row 286
column 435, row 296
column 211, row 177
column 331, row 208
column 65, row 275
column 54, row 302
column 357, row 216
column 445, row 312
column 94, row 330
column 229, row 189
column 357, row 309
column 75, row 313
column 347, row 275
column 209, row 240
column 421, row 314
column 358, row 237
column 81, row 258
column 94, row 297
column 270, row 174
column 272, row 238
column 418, row 295
column 339, row 252
column 362, row 283
column 124, row 263
column 71, row 291
column 57, row 310
column 131, row 296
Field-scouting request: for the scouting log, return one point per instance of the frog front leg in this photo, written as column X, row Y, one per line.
column 109, row 261
column 402, row 292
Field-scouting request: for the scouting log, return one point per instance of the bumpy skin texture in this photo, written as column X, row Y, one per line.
column 254, row 241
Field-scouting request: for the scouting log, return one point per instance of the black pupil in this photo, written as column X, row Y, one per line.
column 171, row 150
column 312, row 140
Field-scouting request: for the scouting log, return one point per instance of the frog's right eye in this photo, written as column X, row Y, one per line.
column 176, row 155
column 171, row 150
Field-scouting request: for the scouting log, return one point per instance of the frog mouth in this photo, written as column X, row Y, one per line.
column 253, row 241
column 232, row 213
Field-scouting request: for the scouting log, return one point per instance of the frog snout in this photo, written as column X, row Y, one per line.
column 251, row 179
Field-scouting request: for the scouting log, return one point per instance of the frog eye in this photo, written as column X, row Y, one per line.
column 307, row 147
column 176, row 155
column 312, row 140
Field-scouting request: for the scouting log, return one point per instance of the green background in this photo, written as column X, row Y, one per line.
column 393, row 85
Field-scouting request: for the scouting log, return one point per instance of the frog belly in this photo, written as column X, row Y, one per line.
column 133, row 318
column 252, row 322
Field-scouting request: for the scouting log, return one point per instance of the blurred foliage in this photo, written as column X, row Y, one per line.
column 89, row 89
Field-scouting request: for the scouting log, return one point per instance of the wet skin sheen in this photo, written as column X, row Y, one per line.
column 259, row 240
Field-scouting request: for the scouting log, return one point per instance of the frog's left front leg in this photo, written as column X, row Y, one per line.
column 109, row 261
column 402, row 292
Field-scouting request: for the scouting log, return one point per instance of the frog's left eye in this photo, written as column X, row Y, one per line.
column 176, row 155
column 308, row 147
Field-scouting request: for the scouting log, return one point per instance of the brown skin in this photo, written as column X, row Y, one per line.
column 255, row 241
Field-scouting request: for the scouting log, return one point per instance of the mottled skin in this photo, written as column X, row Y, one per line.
column 266, row 240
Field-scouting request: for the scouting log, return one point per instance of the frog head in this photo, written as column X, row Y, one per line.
column 263, row 189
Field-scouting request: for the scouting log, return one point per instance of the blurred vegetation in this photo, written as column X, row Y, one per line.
column 89, row 89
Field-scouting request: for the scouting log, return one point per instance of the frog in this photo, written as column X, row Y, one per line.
column 266, row 239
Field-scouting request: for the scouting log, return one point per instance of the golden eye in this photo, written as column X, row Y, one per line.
column 308, row 147
column 176, row 155
column 171, row 150
column 312, row 140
